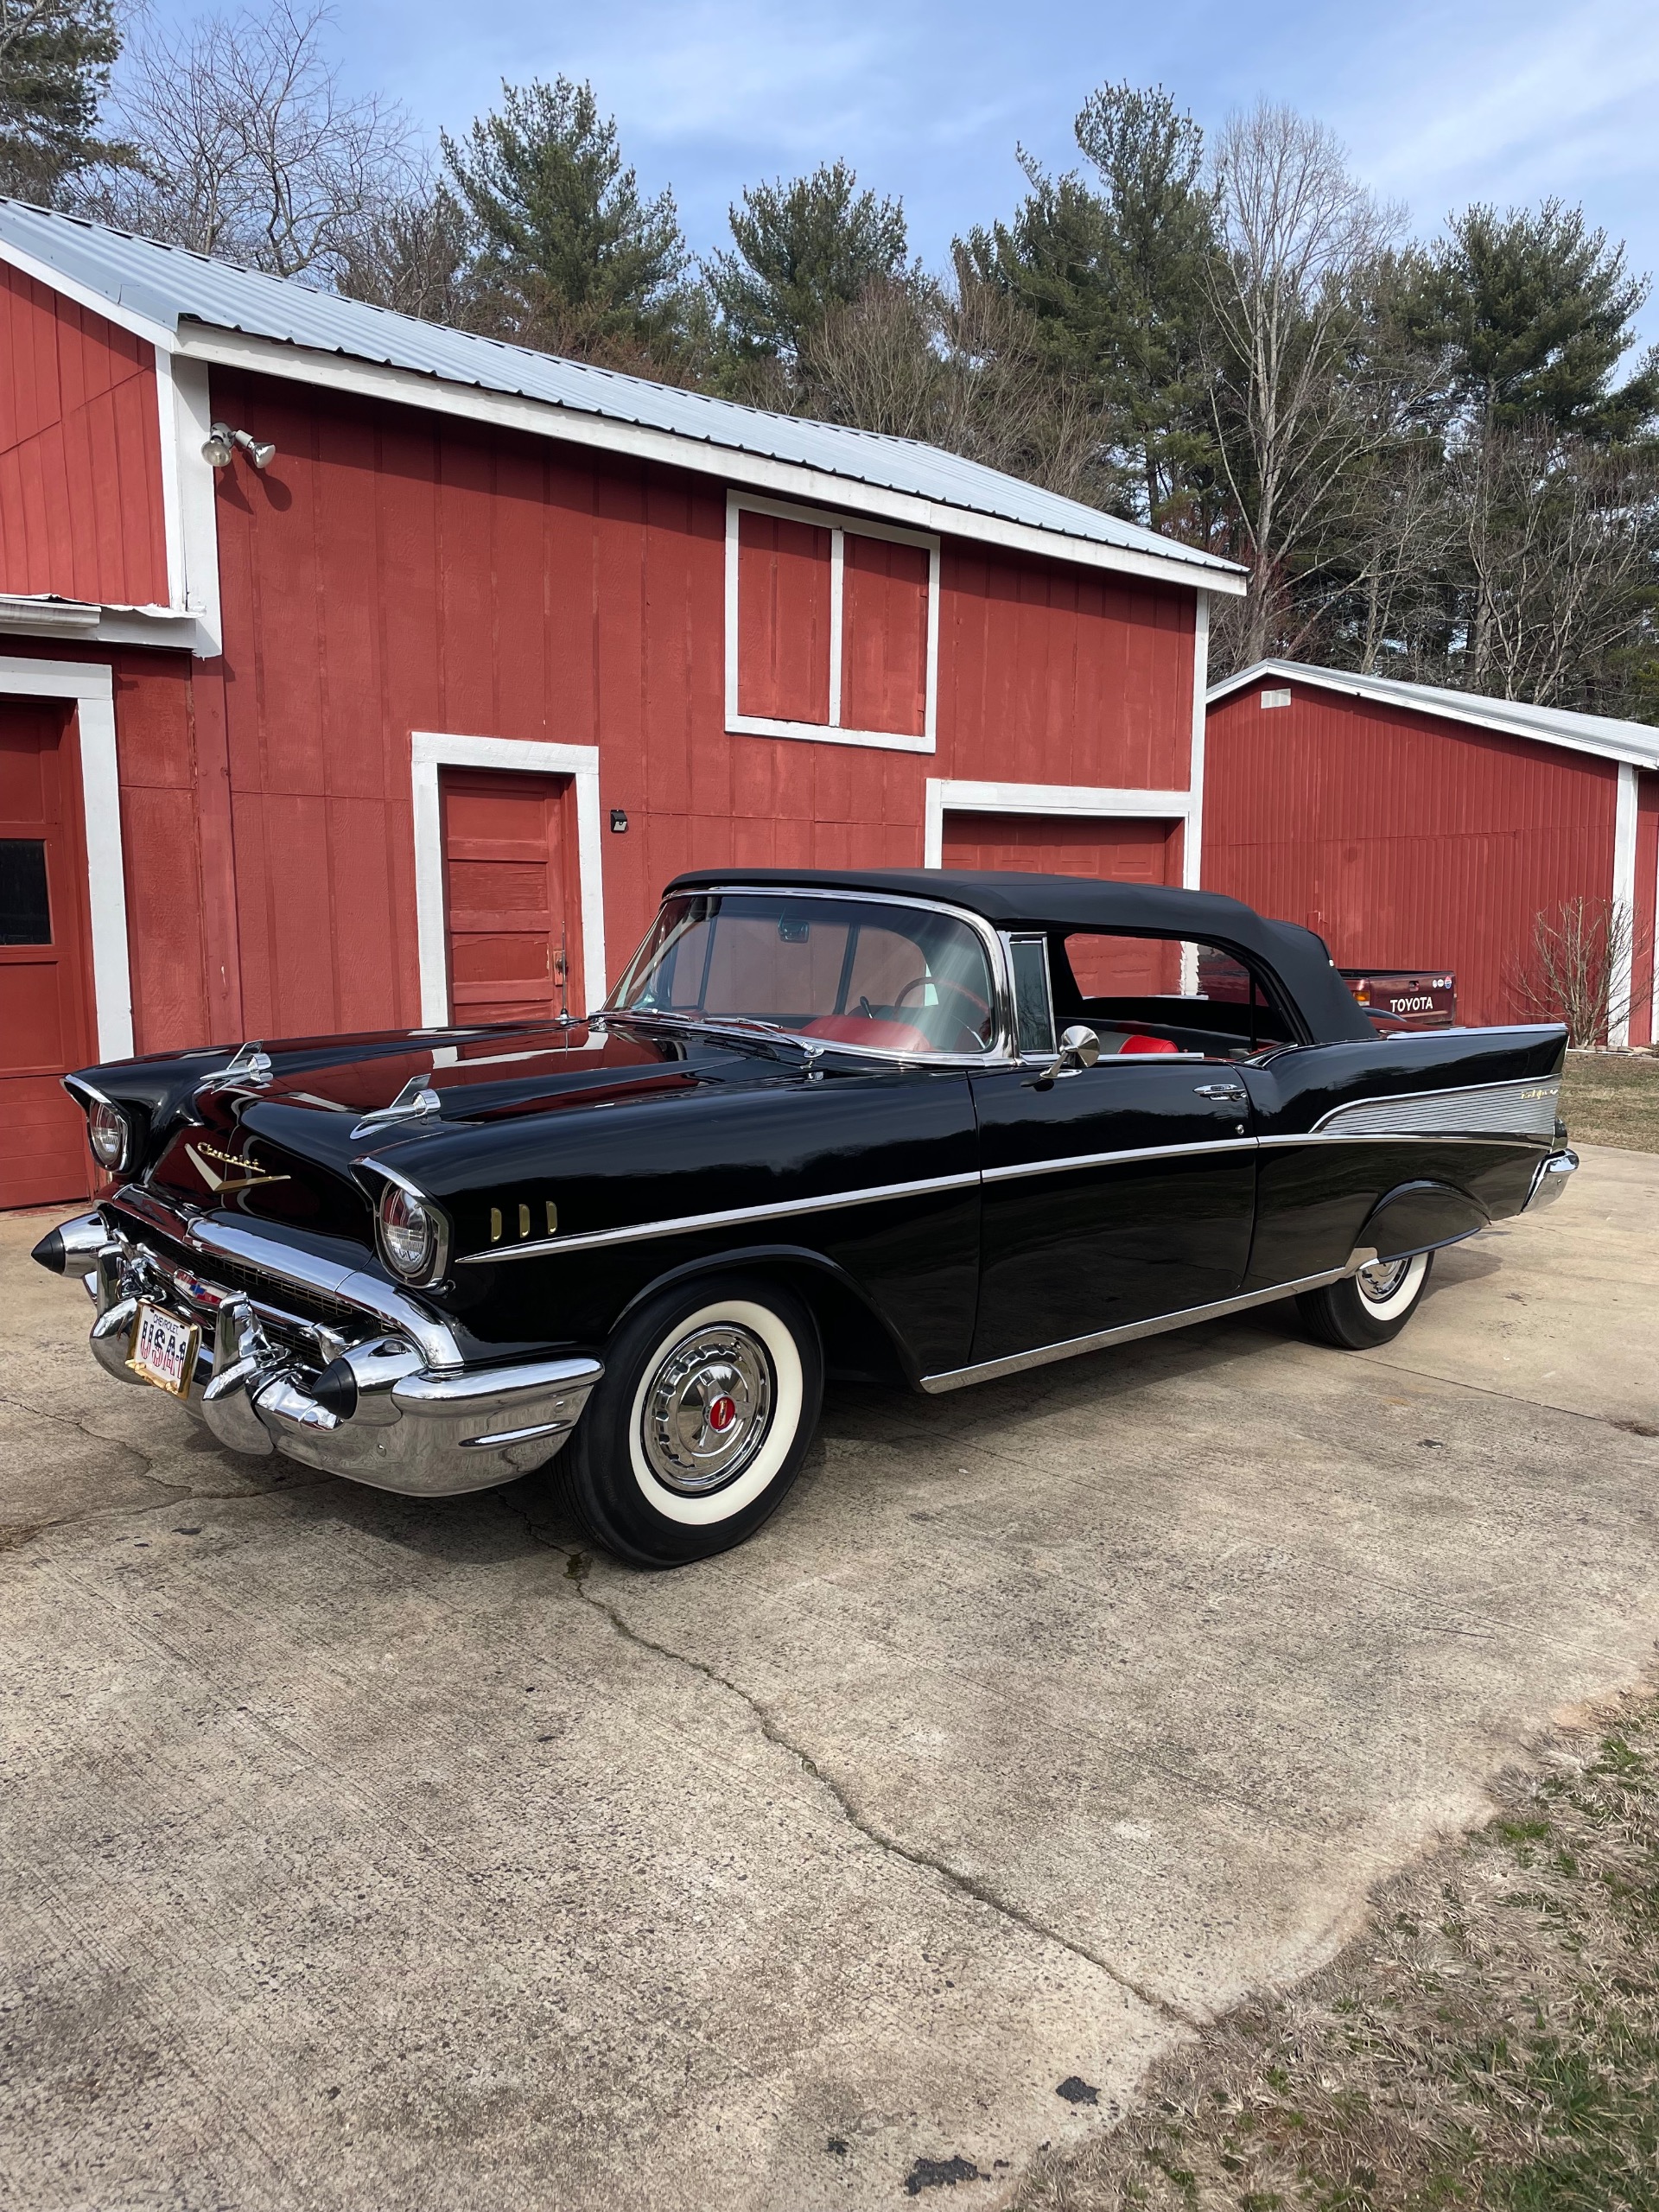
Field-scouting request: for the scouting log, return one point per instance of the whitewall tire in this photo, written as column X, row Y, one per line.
column 710, row 1400
column 1370, row 1308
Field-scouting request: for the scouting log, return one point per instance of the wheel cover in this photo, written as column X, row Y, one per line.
column 707, row 1408
column 1379, row 1282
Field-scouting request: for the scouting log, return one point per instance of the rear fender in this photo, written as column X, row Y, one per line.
column 1421, row 1217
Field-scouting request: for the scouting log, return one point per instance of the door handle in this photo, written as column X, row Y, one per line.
column 1232, row 1090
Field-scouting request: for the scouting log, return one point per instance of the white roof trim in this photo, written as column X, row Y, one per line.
column 751, row 471
column 1574, row 732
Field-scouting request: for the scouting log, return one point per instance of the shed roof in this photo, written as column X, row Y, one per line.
column 1638, row 742
column 170, row 295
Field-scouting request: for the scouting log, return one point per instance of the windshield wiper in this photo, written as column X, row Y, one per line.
column 742, row 1024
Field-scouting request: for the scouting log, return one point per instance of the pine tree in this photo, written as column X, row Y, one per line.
column 803, row 248
column 55, row 59
column 1115, row 276
column 1535, row 310
column 570, row 254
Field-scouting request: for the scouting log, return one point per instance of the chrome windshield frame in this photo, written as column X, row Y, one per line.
column 1000, row 1053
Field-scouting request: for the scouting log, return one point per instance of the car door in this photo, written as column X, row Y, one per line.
column 1112, row 1195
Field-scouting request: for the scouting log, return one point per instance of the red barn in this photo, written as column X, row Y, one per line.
column 1420, row 828
column 408, row 719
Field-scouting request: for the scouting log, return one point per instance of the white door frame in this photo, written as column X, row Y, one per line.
column 89, row 687
column 431, row 750
column 945, row 797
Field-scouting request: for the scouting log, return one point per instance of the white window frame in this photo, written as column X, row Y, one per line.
column 1625, row 817
column 89, row 688
column 430, row 750
column 839, row 526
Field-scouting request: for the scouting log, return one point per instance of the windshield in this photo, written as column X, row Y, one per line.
column 893, row 979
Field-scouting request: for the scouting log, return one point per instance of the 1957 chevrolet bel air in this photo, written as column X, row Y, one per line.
column 928, row 1128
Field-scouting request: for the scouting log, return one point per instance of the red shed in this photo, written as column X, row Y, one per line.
column 409, row 718
column 1420, row 828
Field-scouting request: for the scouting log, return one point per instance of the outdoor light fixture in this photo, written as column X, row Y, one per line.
column 219, row 450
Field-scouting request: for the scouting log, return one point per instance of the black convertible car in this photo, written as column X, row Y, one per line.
column 920, row 1127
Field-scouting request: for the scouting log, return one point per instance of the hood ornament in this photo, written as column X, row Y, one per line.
column 249, row 1066
column 413, row 1102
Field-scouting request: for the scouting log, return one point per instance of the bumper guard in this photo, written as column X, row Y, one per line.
column 371, row 1406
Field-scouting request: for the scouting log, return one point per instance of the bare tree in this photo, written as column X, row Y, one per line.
column 959, row 366
column 1290, row 305
column 250, row 148
column 1562, row 538
column 1579, row 970
column 413, row 254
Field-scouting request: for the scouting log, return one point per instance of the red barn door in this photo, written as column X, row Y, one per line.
column 1127, row 851
column 45, row 1002
column 510, row 878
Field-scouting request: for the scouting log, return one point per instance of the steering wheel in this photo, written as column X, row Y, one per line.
column 960, row 990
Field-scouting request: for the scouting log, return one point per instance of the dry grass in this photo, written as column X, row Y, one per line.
column 1492, row 2041
column 1612, row 1098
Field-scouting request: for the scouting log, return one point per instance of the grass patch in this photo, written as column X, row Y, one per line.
column 1492, row 2041
column 1612, row 1098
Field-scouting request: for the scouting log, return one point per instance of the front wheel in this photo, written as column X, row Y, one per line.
column 710, row 1397
column 1368, row 1308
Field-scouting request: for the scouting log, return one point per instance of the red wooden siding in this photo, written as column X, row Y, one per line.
column 1050, row 675
column 884, row 636
column 1645, row 964
column 80, row 465
column 391, row 571
column 513, row 927
column 783, row 619
column 45, row 993
column 1403, row 838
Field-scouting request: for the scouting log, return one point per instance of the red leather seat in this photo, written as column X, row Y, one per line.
column 1133, row 1041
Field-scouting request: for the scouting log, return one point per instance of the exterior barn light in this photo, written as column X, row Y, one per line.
column 220, row 450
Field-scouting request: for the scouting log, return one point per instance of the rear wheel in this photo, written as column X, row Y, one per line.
column 1368, row 1308
column 710, row 1397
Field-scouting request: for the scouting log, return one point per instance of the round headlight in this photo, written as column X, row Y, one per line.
column 108, row 1134
column 411, row 1235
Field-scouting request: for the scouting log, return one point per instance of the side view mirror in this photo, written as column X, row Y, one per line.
column 1079, row 1048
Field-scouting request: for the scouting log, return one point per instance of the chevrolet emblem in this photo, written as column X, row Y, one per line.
column 199, row 1156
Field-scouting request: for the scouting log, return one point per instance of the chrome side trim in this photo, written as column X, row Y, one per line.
column 733, row 1217
column 990, row 1370
column 1508, row 1108
column 1111, row 1159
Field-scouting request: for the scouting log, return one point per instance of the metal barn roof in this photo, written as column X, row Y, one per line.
column 170, row 288
column 1636, row 742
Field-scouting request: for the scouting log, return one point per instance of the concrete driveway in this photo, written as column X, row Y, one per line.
column 363, row 1853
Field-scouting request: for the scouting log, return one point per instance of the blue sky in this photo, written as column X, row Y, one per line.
column 1500, row 99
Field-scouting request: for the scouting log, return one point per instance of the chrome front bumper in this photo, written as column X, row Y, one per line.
column 404, row 1416
column 1550, row 1179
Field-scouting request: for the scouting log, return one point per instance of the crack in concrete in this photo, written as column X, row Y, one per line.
column 768, row 1723
column 16, row 1536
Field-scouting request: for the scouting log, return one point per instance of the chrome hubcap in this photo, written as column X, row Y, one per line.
column 1382, row 1278
column 708, row 1409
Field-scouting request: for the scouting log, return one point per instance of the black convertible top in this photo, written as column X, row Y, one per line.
column 1294, row 955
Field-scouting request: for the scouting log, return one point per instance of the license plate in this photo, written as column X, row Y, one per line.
column 164, row 1350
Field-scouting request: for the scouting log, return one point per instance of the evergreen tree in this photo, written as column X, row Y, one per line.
column 56, row 58
column 803, row 248
column 1117, row 277
column 1535, row 310
column 570, row 254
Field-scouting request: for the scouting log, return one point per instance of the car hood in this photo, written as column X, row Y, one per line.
column 293, row 1149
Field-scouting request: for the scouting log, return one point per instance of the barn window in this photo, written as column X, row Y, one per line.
column 831, row 628
column 1275, row 698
